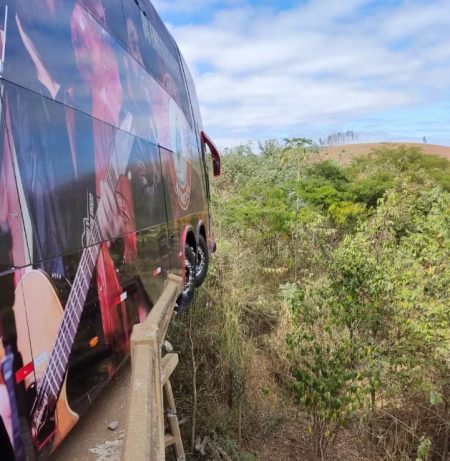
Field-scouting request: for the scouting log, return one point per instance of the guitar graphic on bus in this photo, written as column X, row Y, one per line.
column 51, row 415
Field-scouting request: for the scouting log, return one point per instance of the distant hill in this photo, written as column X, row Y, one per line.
column 346, row 152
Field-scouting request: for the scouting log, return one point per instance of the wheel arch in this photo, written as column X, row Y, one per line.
column 189, row 236
column 201, row 230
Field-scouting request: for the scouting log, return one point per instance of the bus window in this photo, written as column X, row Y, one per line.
column 136, row 43
column 13, row 242
column 142, row 184
column 172, row 209
column 152, row 45
column 109, row 14
column 67, row 161
column 38, row 48
column 192, row 96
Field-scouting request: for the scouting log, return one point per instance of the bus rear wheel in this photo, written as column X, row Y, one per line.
column 187, row 294
column 202, row 261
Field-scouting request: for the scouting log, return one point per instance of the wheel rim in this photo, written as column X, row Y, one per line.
column 200, row 261
column 190, row 276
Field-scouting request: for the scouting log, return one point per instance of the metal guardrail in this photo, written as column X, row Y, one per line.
column 145, row 439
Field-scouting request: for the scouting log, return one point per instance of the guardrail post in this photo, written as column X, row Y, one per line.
column 145, row 440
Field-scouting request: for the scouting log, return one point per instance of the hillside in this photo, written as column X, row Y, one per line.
column 346, row 152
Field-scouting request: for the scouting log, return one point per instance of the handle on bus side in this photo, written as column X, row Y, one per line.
column 217, row 162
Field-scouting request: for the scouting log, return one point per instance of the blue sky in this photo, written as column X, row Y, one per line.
column 273, row 69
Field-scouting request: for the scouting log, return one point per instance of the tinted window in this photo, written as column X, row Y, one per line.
column 54, row 153
column 13, row 244
column 141, row 187
column 68, row 56
column 110, row 14
column 39, row 53
column 192, row 96
column 152, row 45
column 65, row 161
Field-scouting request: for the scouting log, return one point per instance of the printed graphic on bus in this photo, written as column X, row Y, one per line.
column 103, row 189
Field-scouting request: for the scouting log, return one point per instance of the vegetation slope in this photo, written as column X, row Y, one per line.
column 323, row 331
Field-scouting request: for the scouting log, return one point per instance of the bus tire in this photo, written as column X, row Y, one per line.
column 202, row 261
column 187, row 294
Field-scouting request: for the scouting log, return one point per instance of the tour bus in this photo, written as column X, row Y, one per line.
column 103, row 191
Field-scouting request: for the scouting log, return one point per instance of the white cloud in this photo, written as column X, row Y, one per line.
column 262, row 72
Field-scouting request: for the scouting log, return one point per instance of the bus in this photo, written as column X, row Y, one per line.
column 104, row 191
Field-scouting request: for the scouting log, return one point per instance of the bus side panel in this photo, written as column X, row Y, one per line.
column 143, row 201
column 198, row 202
column 16, row 368
column 185, row 202
column 145, row 191
column 200, row 157
column 151, row 267
column 45, row 336
column 183, row 168
column 173, row 222
column 186, row 199
column 14, row 247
